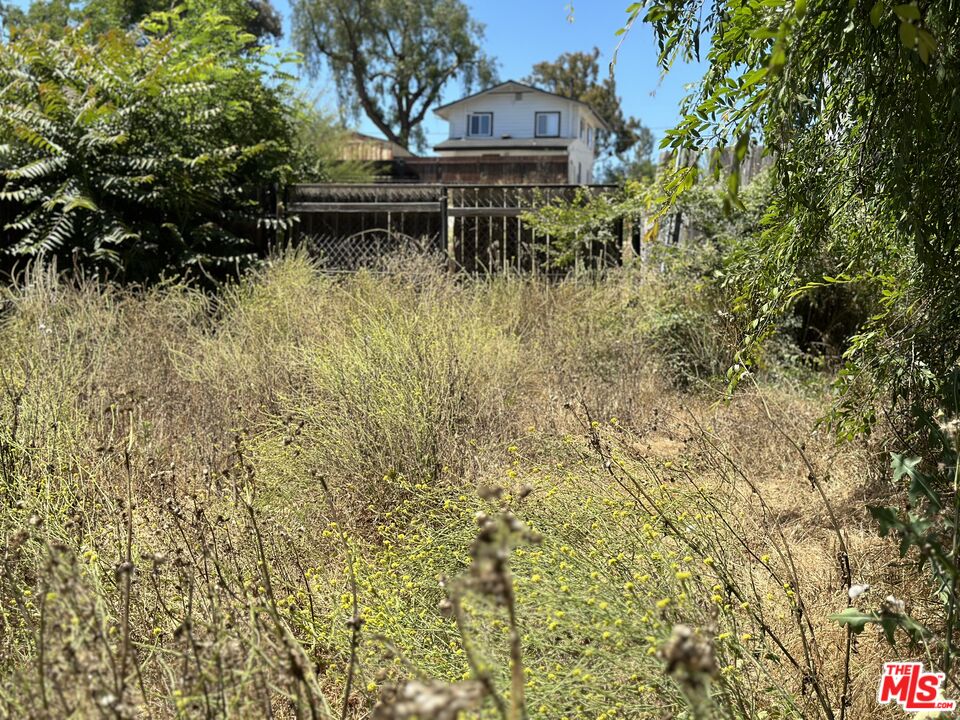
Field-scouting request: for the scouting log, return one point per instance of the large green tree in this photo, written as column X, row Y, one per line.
column 859, row 101
column 391, row 59
column 257, row 17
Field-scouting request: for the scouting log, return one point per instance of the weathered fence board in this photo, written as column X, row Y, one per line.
column 478, row 227
column 374, row 207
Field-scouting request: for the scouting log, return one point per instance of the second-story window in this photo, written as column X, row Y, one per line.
column 589, row 137
column 480, row 124
column 547, row 124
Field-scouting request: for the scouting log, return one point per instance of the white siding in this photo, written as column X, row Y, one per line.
column 515, row 117
column 580, row 153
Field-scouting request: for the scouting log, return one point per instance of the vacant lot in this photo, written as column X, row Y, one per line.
column 309, row 495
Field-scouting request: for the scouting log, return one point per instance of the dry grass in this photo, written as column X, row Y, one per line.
column 200, row 493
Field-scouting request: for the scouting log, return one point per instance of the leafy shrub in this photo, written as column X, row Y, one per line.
column 686, row 324
column 858, row 103
column 257, row 17
column 141, row 151
column 580, row 226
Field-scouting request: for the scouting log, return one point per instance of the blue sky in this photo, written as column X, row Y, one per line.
column 520, row 33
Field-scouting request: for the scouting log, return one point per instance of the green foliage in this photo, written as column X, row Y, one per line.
column 54, row 14
column 704, row 212
column 889, row 621
column 817, row 324
column 860, row 104
column 586, row 220
column 257, row 17
column 318, row 140
column 392, row 58
column 141, row 152
column 929, row 522
column 683, row 323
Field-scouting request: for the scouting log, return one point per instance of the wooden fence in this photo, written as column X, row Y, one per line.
column 478, row 228
column 483, row 169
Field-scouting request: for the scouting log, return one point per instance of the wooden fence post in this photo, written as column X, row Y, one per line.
column 480, row 226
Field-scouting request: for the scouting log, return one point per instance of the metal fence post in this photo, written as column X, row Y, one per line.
column 446, row 242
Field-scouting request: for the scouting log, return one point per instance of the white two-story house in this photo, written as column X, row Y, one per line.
column 529, row 125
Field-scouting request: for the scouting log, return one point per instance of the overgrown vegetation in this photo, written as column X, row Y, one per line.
column 257, row 17
column 410, row 495
column 155, row 151
column 140, row 155
column 858, row 103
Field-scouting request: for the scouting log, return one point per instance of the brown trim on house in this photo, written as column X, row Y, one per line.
column 488, row 169
column 529, row 143
column 501, row 148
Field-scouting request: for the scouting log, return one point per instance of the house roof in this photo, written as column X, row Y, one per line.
column 397, row 149
column 493, row 143
column 512, row 86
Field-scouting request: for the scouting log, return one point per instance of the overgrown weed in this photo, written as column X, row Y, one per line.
column 259, row 504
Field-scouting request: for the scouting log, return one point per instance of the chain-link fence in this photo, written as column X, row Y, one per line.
column 371, row 249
